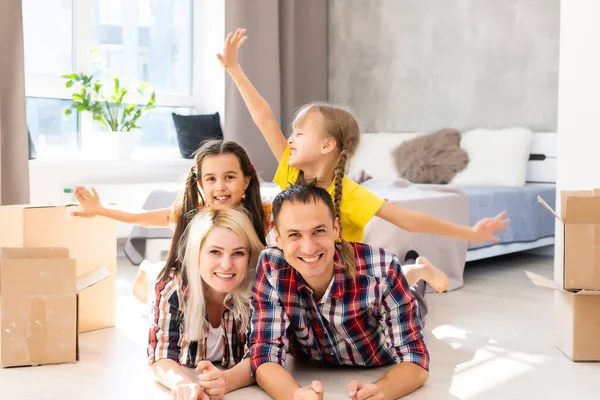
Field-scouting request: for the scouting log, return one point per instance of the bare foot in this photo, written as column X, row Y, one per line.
column 432, row 275
column 140, row 285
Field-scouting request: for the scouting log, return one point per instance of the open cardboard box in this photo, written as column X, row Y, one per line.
column 578, row 245
column 576, row 320
column 39, row 295
column 91, row 242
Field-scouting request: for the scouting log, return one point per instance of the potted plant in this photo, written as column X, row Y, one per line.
column 106, row 101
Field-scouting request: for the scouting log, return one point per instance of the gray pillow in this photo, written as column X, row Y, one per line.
column 359, row 176
column 433, row 158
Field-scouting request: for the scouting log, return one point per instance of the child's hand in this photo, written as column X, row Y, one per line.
column 484, row 230
column 89, row 202
column 229, row 56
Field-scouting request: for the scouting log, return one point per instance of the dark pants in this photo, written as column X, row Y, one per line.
column 418, row 291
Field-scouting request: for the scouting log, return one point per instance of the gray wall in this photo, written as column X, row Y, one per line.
column 421, row 65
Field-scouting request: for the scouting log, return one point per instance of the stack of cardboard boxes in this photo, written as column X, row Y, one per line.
column 577, row 291
column 57, row 279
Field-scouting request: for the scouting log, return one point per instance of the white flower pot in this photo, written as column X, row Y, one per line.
column 110, row 145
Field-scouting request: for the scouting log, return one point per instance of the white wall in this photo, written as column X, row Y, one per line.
column 579, row 102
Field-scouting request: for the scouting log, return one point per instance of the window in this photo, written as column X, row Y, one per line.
column 47, row 124
column 146, row 40
column 137, row 40
column 48, row 36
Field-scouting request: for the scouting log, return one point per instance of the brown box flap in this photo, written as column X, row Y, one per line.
column 544, row 282
column 11, row 253
column 581, row 210
column 577, row 206
column 91, row 278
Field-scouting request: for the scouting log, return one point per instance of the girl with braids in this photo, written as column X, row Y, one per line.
column 202, row 313
column 324, row 139
column 221, row 176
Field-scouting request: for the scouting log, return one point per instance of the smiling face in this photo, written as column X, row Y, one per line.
column 308, row 143
column 221, row 181
column 306, row 232
column 224, row 258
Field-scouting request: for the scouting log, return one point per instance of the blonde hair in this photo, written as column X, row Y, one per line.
column 343, row 126
column 195, row 310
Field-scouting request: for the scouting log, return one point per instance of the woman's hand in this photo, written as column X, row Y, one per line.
column 211, row 379
column 89, row 202
column 229, row 56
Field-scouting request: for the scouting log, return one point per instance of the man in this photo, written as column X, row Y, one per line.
column 340, row 304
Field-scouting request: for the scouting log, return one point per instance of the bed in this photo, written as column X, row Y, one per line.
column 531, row 227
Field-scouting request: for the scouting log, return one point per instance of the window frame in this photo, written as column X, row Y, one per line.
column 206, row 32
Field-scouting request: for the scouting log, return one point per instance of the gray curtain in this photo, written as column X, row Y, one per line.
column 14, row 155
column 285, row 57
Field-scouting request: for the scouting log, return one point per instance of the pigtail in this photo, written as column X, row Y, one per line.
column 253, row 203
column 346, row 251
column 189, row 208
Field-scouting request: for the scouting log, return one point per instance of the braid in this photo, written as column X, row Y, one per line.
column 189, row 208
column 346, row 250
column 338, row 178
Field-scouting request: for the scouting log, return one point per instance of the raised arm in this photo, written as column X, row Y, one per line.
column 91, row 207
column 261, row 112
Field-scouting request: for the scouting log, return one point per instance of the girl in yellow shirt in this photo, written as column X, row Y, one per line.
column 324, row 138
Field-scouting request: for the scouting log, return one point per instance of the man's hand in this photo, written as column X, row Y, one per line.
column 211, row 379
column 188, row 391
column 362, row 391
column 312, row 392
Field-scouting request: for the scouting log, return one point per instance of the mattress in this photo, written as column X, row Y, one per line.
column 529, row 220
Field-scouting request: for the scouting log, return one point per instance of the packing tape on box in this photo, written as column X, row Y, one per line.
column 36, row 334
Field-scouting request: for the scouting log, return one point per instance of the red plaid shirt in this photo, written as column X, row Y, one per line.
column 368, row 320
column 165, row 339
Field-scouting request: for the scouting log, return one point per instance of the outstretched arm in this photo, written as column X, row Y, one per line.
column 261, row 112
column 91, row 207
column 415, row 221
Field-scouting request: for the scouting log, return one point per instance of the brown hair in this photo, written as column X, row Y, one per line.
column 343, row 126
column 308, row 193
column 192, row 197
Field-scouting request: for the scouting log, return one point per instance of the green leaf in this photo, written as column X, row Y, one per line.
column 81, row 107
column 116, row 80
column 69, row 84
column 70, row 76
column 77, row 97
column 68, row 112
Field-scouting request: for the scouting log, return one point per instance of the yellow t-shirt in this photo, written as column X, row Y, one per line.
column 357, row 207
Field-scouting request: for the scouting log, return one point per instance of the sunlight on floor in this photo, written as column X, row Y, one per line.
column 491, row 365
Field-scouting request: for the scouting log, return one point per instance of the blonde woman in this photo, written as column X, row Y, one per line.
column 201, row 313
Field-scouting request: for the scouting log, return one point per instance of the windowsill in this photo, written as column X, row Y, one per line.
column 154, row 157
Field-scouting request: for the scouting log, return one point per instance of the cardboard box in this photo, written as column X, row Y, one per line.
column 576, row 320
column 91, row 242
column 578, row 245
column 38, row 306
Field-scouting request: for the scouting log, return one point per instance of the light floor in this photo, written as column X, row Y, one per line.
column 491, row 339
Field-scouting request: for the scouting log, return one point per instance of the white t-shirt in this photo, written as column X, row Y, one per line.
column 214, row 344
